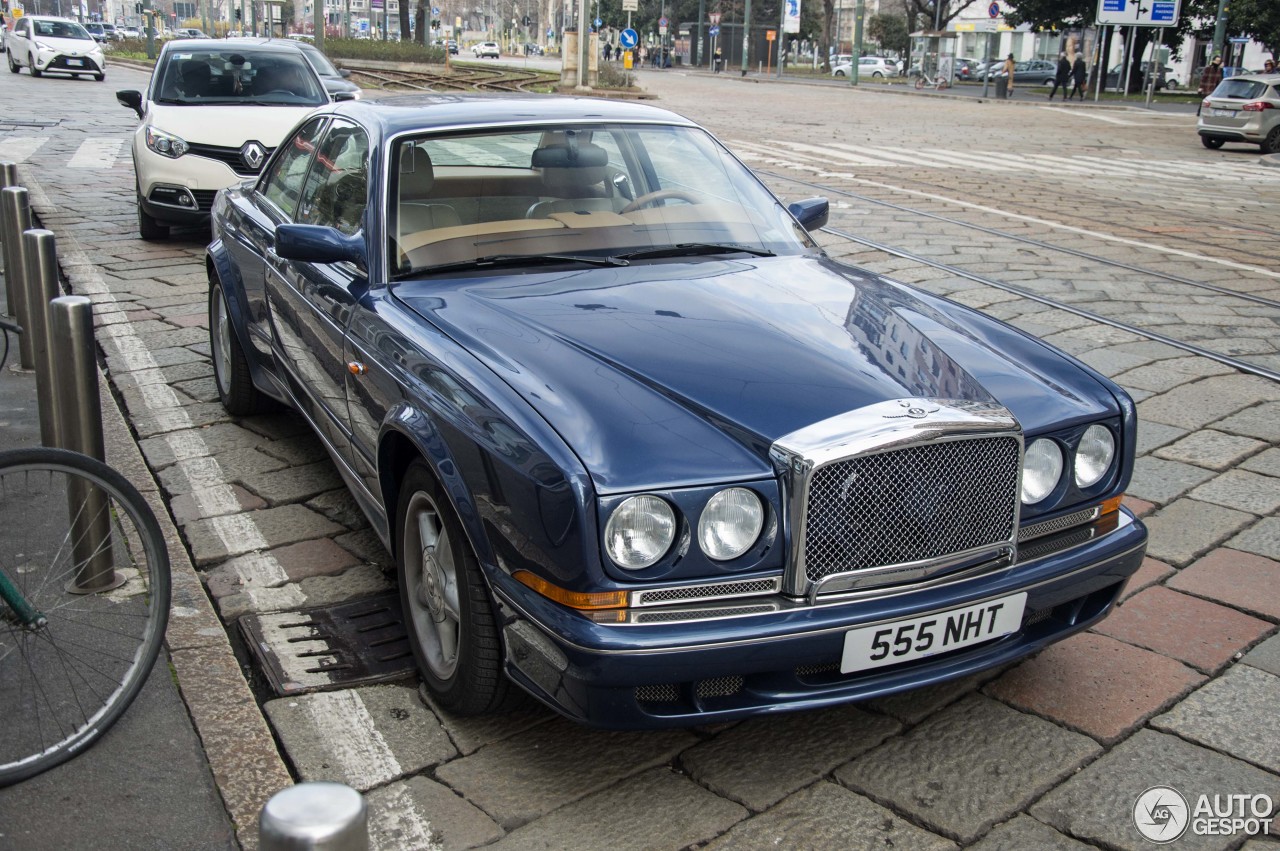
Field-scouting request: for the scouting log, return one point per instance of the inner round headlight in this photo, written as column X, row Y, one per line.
column 1041, row 468
column 730, row 523
column 1094, row 455
column 639, row 532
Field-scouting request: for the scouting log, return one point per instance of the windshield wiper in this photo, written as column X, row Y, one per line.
column 695, row 249
column 502, row 261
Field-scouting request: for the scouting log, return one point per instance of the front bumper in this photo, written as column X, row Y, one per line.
column 61, row 63
column 163, row 183
column 682, row 674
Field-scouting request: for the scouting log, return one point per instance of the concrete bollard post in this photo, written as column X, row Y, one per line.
column 40, row 254
column 15, row 217
column 80, row 429
column 317, row 816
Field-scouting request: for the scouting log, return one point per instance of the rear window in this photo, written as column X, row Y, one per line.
column 1240, row 89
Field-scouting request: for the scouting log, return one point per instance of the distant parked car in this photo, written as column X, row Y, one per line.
column 99, row 34
column 876, row 67
column 965, row 67
column 1164, row 78
column 486, row 49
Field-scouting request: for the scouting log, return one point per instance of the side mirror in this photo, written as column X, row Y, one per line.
column 341, row 96
column 131, row 99
column 344, row 72
column 318, row 244
column 811, row 213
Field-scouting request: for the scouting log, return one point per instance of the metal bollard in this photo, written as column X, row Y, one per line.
column 40, row 253
column 15, row 217
column 8, row 177
column 80, row 428
column 318, row 816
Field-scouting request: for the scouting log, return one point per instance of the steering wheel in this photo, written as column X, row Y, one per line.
column 660, row 195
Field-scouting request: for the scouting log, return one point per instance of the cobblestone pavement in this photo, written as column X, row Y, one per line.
column 1178, row 687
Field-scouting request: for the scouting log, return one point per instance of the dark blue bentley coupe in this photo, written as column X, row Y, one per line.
column 636, row 443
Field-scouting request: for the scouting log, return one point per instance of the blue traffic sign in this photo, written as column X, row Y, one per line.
column 993, row 11
column 662, row 22
column 628, row 39
column 1163, row 11
column 1113, row 5
column 713, row 32
column 435, row 10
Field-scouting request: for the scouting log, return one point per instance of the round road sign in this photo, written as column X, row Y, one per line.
column 628, row 38
column 993, row 10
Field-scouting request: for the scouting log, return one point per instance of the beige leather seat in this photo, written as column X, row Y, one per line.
column 581, row 188
column 416, row 179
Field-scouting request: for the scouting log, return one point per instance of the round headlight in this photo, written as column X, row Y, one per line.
column 730, row 523
column 639, row 532
column 1041, row 468
column 1094, row 455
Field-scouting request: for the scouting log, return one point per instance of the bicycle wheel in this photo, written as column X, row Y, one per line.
column 919, row 82
column 67, row 521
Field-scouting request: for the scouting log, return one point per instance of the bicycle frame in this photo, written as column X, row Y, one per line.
column 28, row 616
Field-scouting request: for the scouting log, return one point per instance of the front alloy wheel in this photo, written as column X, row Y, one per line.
column 35, row 72
column 446, row 602
column 236, row 389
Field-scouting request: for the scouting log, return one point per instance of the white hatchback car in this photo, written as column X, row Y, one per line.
column 42, row 44
column 487, row 48
column 875, row 67
column 211, row 117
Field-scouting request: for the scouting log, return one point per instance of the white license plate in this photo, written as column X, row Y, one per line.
column 1223, row 113
column 76, row 63
column 940, row 632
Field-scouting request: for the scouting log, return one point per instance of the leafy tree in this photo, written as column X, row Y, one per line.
column 926, row 10
column 889, row 31
column 1258, row 19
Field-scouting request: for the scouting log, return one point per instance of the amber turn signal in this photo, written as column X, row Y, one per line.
column 572, row 599
column 1111, row 506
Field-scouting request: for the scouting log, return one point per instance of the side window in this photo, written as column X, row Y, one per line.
column 283, row 183
column 335, row 191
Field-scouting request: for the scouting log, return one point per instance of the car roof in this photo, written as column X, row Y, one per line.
column 435, row 112
column 50, row 18
column 277, row 45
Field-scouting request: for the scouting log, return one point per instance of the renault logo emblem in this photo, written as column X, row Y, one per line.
column 253, row 154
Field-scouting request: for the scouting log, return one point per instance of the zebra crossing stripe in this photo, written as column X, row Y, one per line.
column 16, row 149
column 96, row 153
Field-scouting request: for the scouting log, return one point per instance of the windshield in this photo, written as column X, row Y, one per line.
column 591, row 190
column 239, row 76
column 319, row 61
column 60, row 29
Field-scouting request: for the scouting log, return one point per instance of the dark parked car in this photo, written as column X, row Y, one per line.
column 637, row 444
column 1033, row 72
column 1164, row 77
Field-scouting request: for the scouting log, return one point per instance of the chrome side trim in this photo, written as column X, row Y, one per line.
column 1048, row 527
column 705, row 592
column 875, row 429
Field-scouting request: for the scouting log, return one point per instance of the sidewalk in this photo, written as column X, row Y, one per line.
column 147, row 782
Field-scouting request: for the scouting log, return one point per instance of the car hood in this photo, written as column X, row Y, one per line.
column 682, row 372
column 229, row 125
column 68, row 46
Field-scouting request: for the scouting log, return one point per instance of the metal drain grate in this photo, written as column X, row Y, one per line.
column 346, row 644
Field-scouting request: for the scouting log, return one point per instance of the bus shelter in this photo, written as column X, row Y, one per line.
column 933, row 53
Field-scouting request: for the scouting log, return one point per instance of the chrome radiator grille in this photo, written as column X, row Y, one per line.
column 909, row 505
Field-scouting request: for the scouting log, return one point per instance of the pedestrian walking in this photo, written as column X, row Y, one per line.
column 1269, row 67
column 1079, row 75
column 1007, row 70
column 1210, row 79
column 717, row 60
column 1062, row 77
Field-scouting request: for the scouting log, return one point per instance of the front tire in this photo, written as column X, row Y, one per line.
column 100, row 77
column 35, row 72
column 13, row 66
column 1211, row 143
column 148, row 228
column 446, row 602
column 231, row 373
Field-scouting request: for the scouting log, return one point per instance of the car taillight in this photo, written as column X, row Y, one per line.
column 1205, row 103
column 1257, row 106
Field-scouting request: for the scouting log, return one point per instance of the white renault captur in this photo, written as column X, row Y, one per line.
column 211, row 117
column 42, row 43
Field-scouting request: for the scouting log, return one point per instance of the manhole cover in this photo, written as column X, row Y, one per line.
column 328, row 647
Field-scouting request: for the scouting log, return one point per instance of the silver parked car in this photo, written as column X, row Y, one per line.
column 1243, row 109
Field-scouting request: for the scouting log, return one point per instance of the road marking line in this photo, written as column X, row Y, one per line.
column 1082, row 113
column 1164, row 249
column 96, row 153
column 262, row 570
column 17, row 149
column 238, row 532
column 356, row 749
column 399, row 826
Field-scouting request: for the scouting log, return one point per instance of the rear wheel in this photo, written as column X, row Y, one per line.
column 919, row 82
column 1271, row 145
column 231, row 372
column 1211, row 143
column 446, row 602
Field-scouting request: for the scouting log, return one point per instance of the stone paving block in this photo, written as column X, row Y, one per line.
column 470, row 733
column 197, row 443
column 1266, row 463
column 1150, row 573
column 974, row 764
column 1139, row 507
column 1023, row 833
column 1215, row 450
column 1152, row 436
column 279, row 426
column 273, row 568
column 220, row 538
column 1235, row 714
column 825, row 817
column 366, row 546
column 1263, row 539
column 1243, row 491
column 1240, row 579
column 1161, row 481
column 203, row 389
column 1097, row 804
column 1260, row 421
column 1266, row 656
column 1194, row 406
column 130, row 361
column 340, row 507
column 163, row 375
column 419, row 813
column 656, row 809
column 364, row 580
column 1111, row 362
column 294, row 484
column 296, row 450
column 1182, row 531
column 913, row 706
column 215, row 470
column 363, row 737
column 763, row 760
column 520, row 779
column 1095, row 684
column 1204, row 635
column 148, row 423
column 187, row 508
column 1157, row 377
